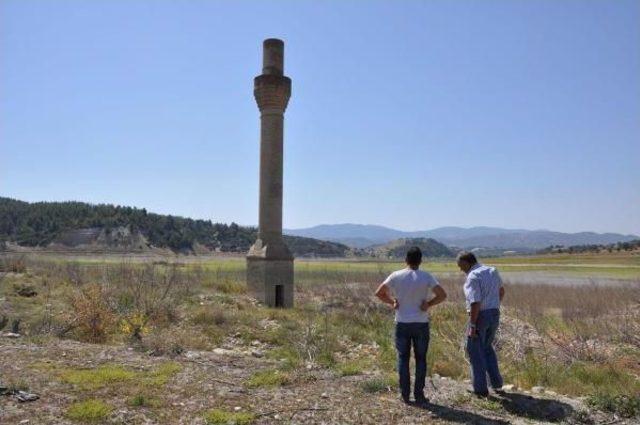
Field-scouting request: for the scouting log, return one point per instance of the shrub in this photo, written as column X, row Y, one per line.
column 91, row 314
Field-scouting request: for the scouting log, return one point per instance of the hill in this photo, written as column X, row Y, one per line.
column 78, row 225
column 398, row 248
column 633, row 245
column 360, row 236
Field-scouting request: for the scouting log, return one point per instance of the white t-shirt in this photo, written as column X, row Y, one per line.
column 410, row 288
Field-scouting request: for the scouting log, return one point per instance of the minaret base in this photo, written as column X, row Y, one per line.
column 270, row 280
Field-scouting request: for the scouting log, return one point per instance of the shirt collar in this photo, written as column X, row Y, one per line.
column 475, row 266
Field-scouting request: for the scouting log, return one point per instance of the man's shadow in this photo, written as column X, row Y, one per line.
column 534, row 408
column 450, row 414
column 517, row 404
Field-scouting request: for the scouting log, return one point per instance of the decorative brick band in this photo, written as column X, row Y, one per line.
column 272, row 92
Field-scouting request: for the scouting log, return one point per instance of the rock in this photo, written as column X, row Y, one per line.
column 191, row 355
column 324, row 395
column 237, row 409
column 21, row 396
column 257, row 353
column 508, row 387
column 223, row 351
column 24, row 421
column 255, row 343
column 436, row 376
column 12, row 335
column 276, row 417
column 537, row 390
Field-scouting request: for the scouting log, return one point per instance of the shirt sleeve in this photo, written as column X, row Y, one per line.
column 390, row 281
column 472, row 290
column 498, row 278
column 433, row 282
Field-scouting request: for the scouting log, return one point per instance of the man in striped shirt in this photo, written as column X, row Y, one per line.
column 483, row 292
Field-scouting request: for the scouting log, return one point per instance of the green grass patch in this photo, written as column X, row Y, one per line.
column 90, row 379
column 162, row 374
column 627, row 406
column 289, row 357
column 351, row 368
column 380, row 384
column 106, row 375
column 142, row 400
column 220, row 417
column 267, row 379
column 91, row 411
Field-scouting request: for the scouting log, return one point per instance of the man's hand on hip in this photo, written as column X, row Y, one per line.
column 472, row 331
column 424, row 306
column 395, row 304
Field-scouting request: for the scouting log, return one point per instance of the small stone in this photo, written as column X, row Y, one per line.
column 276, row 417
column 191, row 355
column 537, row 390
column 257, row 353
column 324, row 395
column 255, row 343
column 24, row 421
column 508, row 387
column 237, row 408
column 12, row 335
column 436, row 376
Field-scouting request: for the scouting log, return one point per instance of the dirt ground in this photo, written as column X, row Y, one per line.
column 216, row 380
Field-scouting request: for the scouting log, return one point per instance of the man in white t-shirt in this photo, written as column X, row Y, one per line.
column 409, row 292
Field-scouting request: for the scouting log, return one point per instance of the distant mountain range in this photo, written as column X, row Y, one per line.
column 361, row 236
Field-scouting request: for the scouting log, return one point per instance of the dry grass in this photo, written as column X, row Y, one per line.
column 576, row 340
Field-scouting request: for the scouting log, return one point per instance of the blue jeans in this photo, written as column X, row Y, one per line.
column 406, row 335
column 481, row 353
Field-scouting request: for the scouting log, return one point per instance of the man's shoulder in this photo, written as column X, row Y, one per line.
column 426, row 275
column 394, row 275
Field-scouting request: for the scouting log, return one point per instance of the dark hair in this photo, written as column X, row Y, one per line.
column 467, row 257
column 414, row 256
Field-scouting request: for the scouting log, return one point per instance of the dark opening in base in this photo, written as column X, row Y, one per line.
column 279, row 296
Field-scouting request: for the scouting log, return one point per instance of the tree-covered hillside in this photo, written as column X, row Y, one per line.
column 398, row 248
column 41, row 223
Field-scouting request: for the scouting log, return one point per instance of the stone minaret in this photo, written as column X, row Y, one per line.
column 269, row 262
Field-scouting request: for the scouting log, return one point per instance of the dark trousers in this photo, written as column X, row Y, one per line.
column 406, row 335
column 482, row 356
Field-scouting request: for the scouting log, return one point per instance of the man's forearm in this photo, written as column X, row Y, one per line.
column 436, row 300
column 385, row 298
column 475, row 312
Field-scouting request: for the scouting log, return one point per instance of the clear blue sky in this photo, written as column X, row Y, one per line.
column 412, row 114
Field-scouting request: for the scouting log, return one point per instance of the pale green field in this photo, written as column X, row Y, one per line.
column 583, row 267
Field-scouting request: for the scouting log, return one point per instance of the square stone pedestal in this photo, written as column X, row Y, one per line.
column 271, row 281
